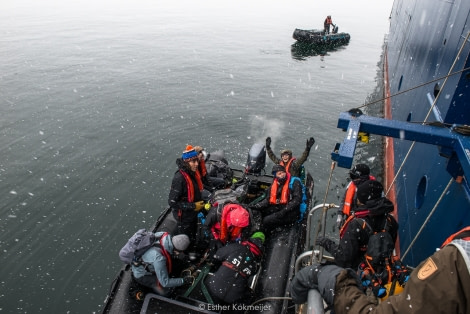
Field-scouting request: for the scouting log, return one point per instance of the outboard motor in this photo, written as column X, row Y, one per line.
column 256, row 159
column 218, row 170
column 335, row 29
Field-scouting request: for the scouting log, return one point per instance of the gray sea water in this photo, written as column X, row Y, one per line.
column 98, row 99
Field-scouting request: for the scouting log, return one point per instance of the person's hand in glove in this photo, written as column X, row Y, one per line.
column 199, row 205
column 324, row 242
column 214, row 245
column 268, row 142
column 310, row 143
column 320, row 277
column 181, row 257
column 188, row 280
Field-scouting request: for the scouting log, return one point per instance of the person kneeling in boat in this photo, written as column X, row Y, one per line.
column 240, row 262
column 155, row 269
column 440, row 284
column 224, row 224
column 282, row 203
column 373, row 211
column 293, row 165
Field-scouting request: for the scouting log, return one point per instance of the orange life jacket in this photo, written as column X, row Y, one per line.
column 349, row 198
column 461, row 234
column 288, row 165
column 169, row 264
column 222, row 231
column 199, row 180
column 189, row 186
column 284, row 197
column 202, row 168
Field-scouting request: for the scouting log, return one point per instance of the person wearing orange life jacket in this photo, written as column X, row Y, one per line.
column 327, row 23
column 440, row 284
column 282, row 204
column 226, row 223
column 359, row 174
column 374, row 210
column 185, row 197
column 156, row 267
column 292, row 164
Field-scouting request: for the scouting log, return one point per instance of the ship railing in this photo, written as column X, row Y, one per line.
column 315, row 302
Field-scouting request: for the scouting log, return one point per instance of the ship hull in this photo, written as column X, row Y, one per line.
column 426, row 43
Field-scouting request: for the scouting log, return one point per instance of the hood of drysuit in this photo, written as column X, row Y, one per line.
column 377, row 207
column 238, row 217
column 167, row 244
column 182, row 165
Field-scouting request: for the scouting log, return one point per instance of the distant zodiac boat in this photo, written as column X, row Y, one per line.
column 319, row 37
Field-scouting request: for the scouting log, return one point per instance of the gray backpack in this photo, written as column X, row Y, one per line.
column 137, row 245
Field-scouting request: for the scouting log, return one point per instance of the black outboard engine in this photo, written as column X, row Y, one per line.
column 256, row 159
column 335, row 29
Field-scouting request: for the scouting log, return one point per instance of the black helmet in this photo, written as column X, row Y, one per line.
column 277, row 168
column 369, row 190
column 359, row 170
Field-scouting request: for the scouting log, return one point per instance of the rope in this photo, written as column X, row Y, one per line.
column 450, row 73
column 415, row 87
column 427, row 218
column 430, row 110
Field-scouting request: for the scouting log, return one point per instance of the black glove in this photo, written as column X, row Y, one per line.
column 268, row 142
column 320, row 277
column 214, row 245
column 188, row 280
column 310, row 142
column 304, row 280
column 323, row 241
column 182, row 257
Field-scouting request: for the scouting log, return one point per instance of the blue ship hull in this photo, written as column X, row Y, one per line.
column 426, row 43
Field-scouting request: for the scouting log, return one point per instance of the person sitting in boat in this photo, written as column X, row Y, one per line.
column 293, row 166
column 440, row 284
column 224, row 224
column 155, row 269
column 282, row 203
column 328, row 22
column 240, row 262
column 373, row 209
column 359, row 174
column 185, row 197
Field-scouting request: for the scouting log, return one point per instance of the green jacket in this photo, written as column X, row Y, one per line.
column 440, row 284
column 294, row 169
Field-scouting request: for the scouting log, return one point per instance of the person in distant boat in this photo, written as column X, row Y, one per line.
column 292, row 164
column 154, row 270
column 373, row 210
column 328, row 22
column 185, row 197
column 440, row 284
column 226, row 223
column 359, row 174
column 282, row 203
column 240, row 262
